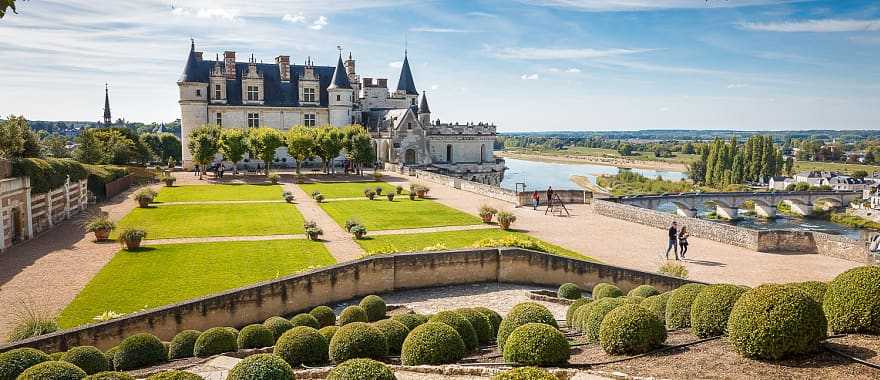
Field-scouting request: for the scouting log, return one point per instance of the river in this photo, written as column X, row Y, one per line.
column 540, row 174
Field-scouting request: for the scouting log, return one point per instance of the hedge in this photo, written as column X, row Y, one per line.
column 711, row 309
column 215, row 340
column 88, row 358
column 678, row 307
column 302, row 345
column 374, row 306
column 361, row 369
column 525, row 373
column 536, row 344
column 261, row 367
column 357, row 340
column 411, row 320
column 432, row 343
column 139, row 350
column 53, row 370
column 305, row 319
column 461, row 326
column 521, row 314
column 604, row 289
column 480, row 322
column 569, row 291
column 352, row 314
column 14, row 362
column 110, row 375
column 644, row 291
column 657, row 305
column 255, row 336
column 324, row 315
column 175, row 375
column 493, row 316
column 182, row 344
column 852, row 301
column 630, row 329
column 48, row 174
column 278, row 325
column 592, row 321
column 395, row 333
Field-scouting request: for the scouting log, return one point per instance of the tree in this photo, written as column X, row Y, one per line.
column 358, row 146
column 90, row 147
column 625, row 150
column 789, row 166
column 152, row 141
column 5, row 5
column 203, row 145
column 300, row 144
column 263, row 142
column 328, row 144
column 233, row 146
column 13, row 132
column 170, row 146
column 860, row 174
column 55, row 145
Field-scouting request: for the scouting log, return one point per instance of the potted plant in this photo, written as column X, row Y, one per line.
column 378, row 190
column 412, row 196
column 131, row 238
column 168, row 179
column 399, row 189
column 369, row 193
column 319, row 198
column 377, row 175
column 315, row 194
column 359, row 231
column 144, row 197
column 351, row 223
column 101, row 226
column 274, row 178
column 486, row 213
column 289, row 198
column 505, row 219
column 422, row 191
column 312, row 230
column 390, row 197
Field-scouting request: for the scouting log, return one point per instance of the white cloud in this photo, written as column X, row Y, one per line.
column 435, row 86
column 573, row 70
column 297, row 18
column 815, row 26
column 396, row 64
column 482, row 14
column 529, row 76
column 428, row 29
column 319, row 23
column 737, row 85
column 207, row 13
column 646, row 5
column 546, row 53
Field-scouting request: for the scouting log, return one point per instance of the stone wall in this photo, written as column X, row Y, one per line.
column 567, row 196
column 473, row 187
column 341, row 282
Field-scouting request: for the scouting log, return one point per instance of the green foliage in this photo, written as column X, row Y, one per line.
column 595, row 312
column 216, row 340
column 111, row 355
column 261, row 367
column 14, row 130
column 328, row 331
column 88, row 358
column 480, row 322
column 329, row 141
column 204, row 143
column 673, row 269
column 493, row 316
column 14, row 362
column 461, row 326
column 29, row 321
column 183, row 344
column 724, row 163
column 505, row 219
column 569, row 291
column 630, row 329
column 395, row 332
column 56, row 356
column 300, row 144
column 305, row 319
column 514, row 241
column 263, row 142
column 852, row 301
column 678, row 307
column 357, row 340
column 361, row 369
column 643, row 291
column 854, row 221
column 604, row 289
column 411, row 320
column 657, row 305
column 570, row 313
column 374, row 306
column 711, row 308
column 358, row 145
column 536, row 344
column 139, row 350
column 53, row 371
column 278, row 325
column 110, row 375
column 255, row 336
column 324, row 315
column 813, row 289
column 630, row 183
column 522, row 313
column 233, row 144
column 302, row 345
column 352, row 314
column 775, row 321
column 525, row 373
column 432, row 343
column 48, row 174
column 174, row 375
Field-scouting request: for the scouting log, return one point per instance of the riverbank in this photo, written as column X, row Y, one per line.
column 605, row 161
column 588, row 185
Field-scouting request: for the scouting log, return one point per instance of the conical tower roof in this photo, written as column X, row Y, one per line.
column 340, row 77
column 423, row 104
column 406, row 83
column 190, row 71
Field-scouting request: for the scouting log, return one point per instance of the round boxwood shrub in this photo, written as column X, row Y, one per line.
column 643, row 291
column 604, row 289
column 711, row 309
column 111, row 355
column 139, row 350
column 88, row 358
column 410, row 320
column 678, row 307
column 592, row 321
column 852, row 301
column 522, row 313
column 305, row 319
column 302, row 345
column 56, row 356
column 278, row 326
column 175, row 375
column 395, row 332
column 461, row 326
column 374, row 306
column 525, row 373
column 361, row 369
column 657, row 305
column 53, row 370
column 182, row 344
column 261, row 367
column 110, row 375
column 357, row 340
column 630, row 329
column 774, row 321
column 14, row 362
column 216, row 340
column 569, row 291
column 494, row 318
column 352, row 314
column 536, row 344
column 328, row 331
column 324, row 315
column 432, row 343
column 813, row 289
column 569, row 314
column 255, row 336
column 479, row 322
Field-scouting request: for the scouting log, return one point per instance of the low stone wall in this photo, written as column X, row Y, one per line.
column 333, row 284
column 473, row 187
column 567, row 196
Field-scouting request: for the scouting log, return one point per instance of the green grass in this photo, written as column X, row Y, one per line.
column 450, row 240
column 243, row 219
column 166, row 274
column 380, row 214
column 231, row 192
column 803, row 166
column 347, row 189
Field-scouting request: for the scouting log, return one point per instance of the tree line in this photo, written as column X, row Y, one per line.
column 725, row 163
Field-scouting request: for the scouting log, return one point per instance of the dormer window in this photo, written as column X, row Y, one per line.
column 253, row 93
column 218, row 93
column 308, row 94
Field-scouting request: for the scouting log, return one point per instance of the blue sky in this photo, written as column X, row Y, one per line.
column 527, row 65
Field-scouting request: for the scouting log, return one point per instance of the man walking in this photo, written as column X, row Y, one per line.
column 673, row 240
column 535, row 199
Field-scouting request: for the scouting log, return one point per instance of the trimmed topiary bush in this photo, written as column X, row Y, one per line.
column 570, row 313
column 175, row 375
column 525, row 373
column 536, row 344
column 357, row 340
column 410, row 320
column 657, row 305
column 182, row 344
column 352, row 314
column 261, row 367
column 374, row 306
column 604, row 289
column 493, row 316
column 479, row 322
column 278, row 326
column 139, row 350
column 630, row 329
column 711, row 309
column 592, row 321
column 216, row 340
column 110, row 375
column 111, row 355
column 324, row 315
column 305, row 319
column 361, row 369
column 852, row 301
column 461, row 326
column 255, row 336
column 395, row 332
column 526, row 312
column 53, row 370
column 56, row 356
column 678, row 307
column 813, row 289
column 643, row 291
column 302, row 345
column 328, row 332
column 88, row 358
column 432, row 343
column 569, row 291
column 775, row 321
column 14, row 362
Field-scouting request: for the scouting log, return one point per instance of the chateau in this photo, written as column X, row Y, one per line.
column 281, row 95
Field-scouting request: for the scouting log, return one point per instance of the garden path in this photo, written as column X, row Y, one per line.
column 337, row 241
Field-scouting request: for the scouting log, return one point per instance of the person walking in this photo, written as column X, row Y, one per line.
column 683, row 241
column 196, row 170
column 673, row 240
column 549, row 196
column 536, row 198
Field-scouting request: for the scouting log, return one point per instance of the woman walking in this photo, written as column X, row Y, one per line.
column 683, row 240
column 536, row 198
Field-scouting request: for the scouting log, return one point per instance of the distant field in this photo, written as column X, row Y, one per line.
column 230, row 192
column 802, row 166
column 679, row 158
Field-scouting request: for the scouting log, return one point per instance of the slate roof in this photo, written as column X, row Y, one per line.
column 423, row 104
column 406, row 83
column 340, row 77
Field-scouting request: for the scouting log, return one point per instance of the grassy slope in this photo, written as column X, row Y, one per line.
column 380, row 214
column 347, row 189
column 802, row 166
column 166, row 274
column 230, row 192
column 254, row 219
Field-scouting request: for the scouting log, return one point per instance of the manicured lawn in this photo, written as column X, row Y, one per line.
column 231, row 192
column 165, row 274
column 348, row 189
column 380, row 214
column 200, row 220
column 450, row 240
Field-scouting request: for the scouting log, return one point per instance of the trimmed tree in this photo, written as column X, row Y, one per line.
column 263, row 142
column 329, row 142
column 300, row 144
column 204, row 143
column 233, row 146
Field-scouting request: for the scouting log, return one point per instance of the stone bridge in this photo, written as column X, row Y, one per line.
column 727, row 204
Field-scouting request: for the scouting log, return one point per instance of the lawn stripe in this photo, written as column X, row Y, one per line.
column 211, row 202
column 215, row 239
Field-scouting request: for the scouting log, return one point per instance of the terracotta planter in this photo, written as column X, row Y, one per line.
column 486, row 218
column 504, row 225
column 313, row 236
column 421, row 193
column 412, row 196
column 144, row 202
column 371, row 196
column 390, row 196
column 132, row 244
column 359, row 235
column 102, row 234
column 169, row 182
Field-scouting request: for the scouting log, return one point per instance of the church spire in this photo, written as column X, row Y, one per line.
column 406, row 83
column 423, row 104
column 108, row 120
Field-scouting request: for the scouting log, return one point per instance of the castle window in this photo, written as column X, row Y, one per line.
column 309, row 120
column 308, row 94
column 409, row 125
column 253, row 93
column 217, row 93
column 413, row 101
column 219, row 119
column 338, row 97
column 253, row 120
column 199, row 93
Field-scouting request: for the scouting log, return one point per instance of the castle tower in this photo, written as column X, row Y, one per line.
column 193, row 86
column 406, row 85
column 341, row 96
column 108, row 120
column 424, row 111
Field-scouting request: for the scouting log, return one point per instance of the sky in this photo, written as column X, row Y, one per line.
column 525, row 65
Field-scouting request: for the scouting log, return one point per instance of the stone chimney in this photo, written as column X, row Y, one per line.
column 229, row 63
column 382, row 82
column 283, row 62
column 368, row 82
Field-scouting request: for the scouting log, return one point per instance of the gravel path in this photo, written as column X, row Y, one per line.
column 337, row 241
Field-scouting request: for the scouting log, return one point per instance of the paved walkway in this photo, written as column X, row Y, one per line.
column 337, row 240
